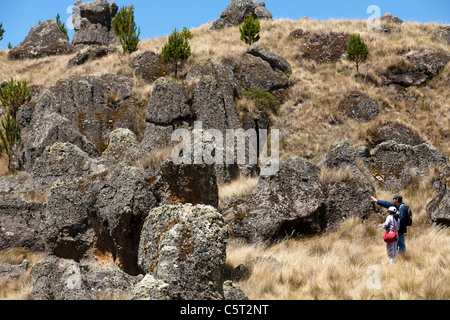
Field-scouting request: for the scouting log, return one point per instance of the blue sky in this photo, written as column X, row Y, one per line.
column 159, row 18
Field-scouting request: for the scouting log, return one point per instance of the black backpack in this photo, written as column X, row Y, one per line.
column 409, row 218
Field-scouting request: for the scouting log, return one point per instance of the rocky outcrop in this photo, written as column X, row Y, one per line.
column 359, row 106
column 92, row 22
column 292, row 202
column 326, row 48
column 238, row 10
column 439, row 208
column 397, row 132
column 45, row 39
column 21, row 224
column 263, row 70
column 416, row 68
column 62, row 279
column 185, row 247
column 100, row 215
column 346, row 196
column 89, row 55
column 444, row 34
column 80, row 110
column 392, row 165
column 149, row 66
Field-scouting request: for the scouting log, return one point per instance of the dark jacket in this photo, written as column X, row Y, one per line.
column 403, row 214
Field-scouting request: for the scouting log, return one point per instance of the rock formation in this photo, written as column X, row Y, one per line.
column 238, row 10
column 439, row 207
column 45, row 39
column 359, row 106
column 92, row 22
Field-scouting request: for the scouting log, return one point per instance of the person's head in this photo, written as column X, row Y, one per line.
column 398, row 199
column 392, row 210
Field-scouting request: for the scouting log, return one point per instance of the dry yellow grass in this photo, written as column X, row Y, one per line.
column 347, row 263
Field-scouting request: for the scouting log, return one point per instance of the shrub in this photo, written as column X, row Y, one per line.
column 263, row 100
column 14, row 95
column 10, row 139
column 250, row 30
column 62, row 26
column 357, row 51
column 2, row 31
column 176, row 49
column 125, row 28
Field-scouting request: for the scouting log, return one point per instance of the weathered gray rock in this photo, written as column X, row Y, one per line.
column 80, row 110
column 327, row 48
column 421, row 66
column 156, row 137
column 167, row 103
column 89, row 55
column 275, row 61
column 100, row 214
column 191, row 183
column 45, row 39
column 11, row 271
column 346, row 197
column 214, row 95
column 439, row 208
column 123, row 148
column 60, row 279
column 238, row 10
column 258, row 73
column 92, row 22
column 393, row 131
column 21, row 224
column 149, row 66
column 185, row 246
column 359, row 106
column 151, row 288
column 292, row 202
column 392, row 165
column 444, row 34
column 233, row 292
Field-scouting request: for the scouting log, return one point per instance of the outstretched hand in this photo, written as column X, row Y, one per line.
column 373, row 199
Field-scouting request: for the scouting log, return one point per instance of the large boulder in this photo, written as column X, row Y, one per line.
column 347, row 194
column 92, row 22
column 45, row 39
column 392, row 165
column 80, row 110
column 21, row 224
column 167, row 103
column 292, row 202
column 60, row 279
column 261, row 71
column 191, row 183
column 238, row 10
column 359, row 106
column 101, row 215
column 439, row 207
column 415, row 68
column 149, row 66
column 390, row 130
column 185, row 246
column 326, row 48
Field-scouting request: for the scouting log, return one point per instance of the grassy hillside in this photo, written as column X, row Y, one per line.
column 337, row 265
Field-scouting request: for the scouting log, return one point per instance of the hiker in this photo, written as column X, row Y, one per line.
column 391, row 225
column 402, row 211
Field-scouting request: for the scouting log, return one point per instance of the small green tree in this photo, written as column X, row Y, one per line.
column 125, row 28
column 2, row 31
column 62, row 26
column 10, row 46
column 357, row 51
column 10, row 139
column 14, row 95
column 250, row 30
column 177, row 49
column 187, row 34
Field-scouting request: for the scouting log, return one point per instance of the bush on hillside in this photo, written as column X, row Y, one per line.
column 177, row 49
column 250, row 30
column 125, row 28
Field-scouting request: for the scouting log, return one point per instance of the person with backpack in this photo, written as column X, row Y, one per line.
column 405, row 217
column 392, row 225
